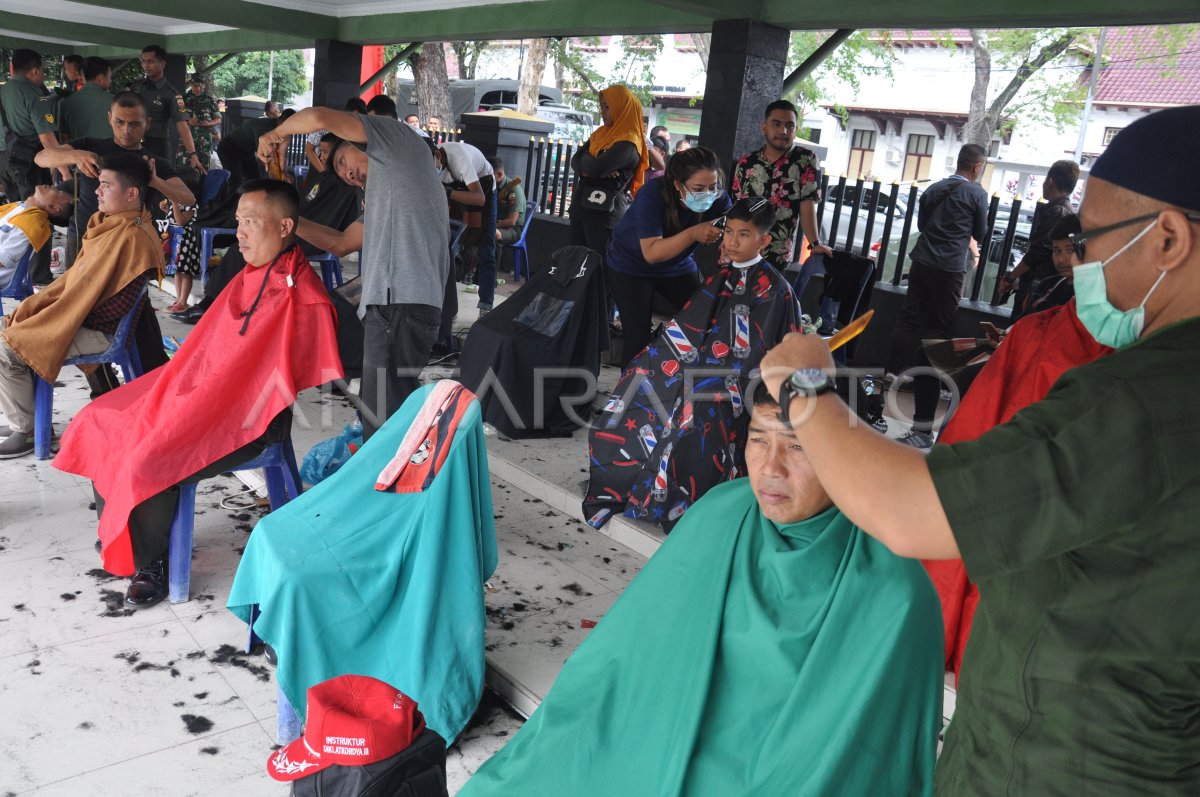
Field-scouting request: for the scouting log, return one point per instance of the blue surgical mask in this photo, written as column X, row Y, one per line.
column 700, row 201
column 1108, row 325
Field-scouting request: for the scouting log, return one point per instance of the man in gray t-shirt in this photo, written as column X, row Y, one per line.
column 405, row 256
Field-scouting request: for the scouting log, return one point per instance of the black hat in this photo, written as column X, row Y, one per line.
column 1157, row 157
column 198, row 78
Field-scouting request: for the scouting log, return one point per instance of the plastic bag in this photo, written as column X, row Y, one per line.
column 324, row 459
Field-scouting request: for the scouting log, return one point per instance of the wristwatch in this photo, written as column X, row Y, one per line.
column 806, row 382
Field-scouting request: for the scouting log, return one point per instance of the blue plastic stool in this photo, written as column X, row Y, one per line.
column 21, row 285
column 520, row 252
column 287, row 725
column 122, row 351
column 207, row 236
column 331, row 269
column 278, row 463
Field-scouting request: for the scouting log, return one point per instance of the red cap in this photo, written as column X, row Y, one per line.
column 352, row 720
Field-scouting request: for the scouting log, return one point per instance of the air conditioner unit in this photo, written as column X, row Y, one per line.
column 893, row 157
column 951, row 162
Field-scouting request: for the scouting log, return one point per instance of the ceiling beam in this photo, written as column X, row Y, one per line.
column 234, row 14
column 940, row 14
column 715, row 9
column 52, row 48
column 77, row 31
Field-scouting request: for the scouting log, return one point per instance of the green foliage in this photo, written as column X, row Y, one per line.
column 864, row 53
column 247, row 73
column 635, row 68
column 578, row 63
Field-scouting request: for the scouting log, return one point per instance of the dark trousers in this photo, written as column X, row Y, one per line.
column 928, row 312
column 485, row 276
column 597, row 238
column 241, row 165
column 635, row 302
column 397, row 339
column 150, row 521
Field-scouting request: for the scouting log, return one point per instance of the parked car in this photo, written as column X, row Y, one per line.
column 839, row 205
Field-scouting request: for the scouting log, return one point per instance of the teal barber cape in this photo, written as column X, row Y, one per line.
column 746, row 659
column 385, row 582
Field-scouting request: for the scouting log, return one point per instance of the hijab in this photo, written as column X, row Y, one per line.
column 627, row 125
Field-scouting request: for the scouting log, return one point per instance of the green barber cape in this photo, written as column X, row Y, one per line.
column 1080, row 522
column 747, row 659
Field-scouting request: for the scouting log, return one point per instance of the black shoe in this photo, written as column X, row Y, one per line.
column 99, row 546
column 149, row 585
column 190, row 315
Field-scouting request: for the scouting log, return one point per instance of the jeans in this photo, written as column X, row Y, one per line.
column 486, row 273
column 397, row 339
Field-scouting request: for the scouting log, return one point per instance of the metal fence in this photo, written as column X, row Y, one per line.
column 296, row 156
column 867, row 217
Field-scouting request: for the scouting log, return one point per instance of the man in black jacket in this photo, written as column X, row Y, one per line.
column 952, row 218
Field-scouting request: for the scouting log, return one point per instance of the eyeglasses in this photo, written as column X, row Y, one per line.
column 1077, row 240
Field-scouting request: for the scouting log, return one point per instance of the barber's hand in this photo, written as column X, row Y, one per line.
column 822, row 249
column 705, row 233
column 794, row 352
column 149, row 159
column 268, row 143
column 195, row 162
column 87, row 162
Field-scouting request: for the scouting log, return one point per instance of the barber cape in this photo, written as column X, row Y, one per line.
column 1036, row 352
column 117, row 249
column 216, row 395
column 379, row 569
column 654, row 450
column 747, row 659
column 517, row 358
column 34, row 222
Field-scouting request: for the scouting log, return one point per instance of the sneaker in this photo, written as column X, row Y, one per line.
column 16, row 444
column 922, row 441
column 148, row 585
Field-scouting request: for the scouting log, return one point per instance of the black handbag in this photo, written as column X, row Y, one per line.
column 599, row 195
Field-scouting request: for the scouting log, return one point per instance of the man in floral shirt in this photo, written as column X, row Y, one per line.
column 787, row 175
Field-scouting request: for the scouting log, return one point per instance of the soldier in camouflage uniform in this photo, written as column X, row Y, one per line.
column 205, row 118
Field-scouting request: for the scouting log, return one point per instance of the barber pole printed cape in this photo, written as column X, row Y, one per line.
column 674, row 427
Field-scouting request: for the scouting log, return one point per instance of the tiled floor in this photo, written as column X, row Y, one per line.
column 97, row 699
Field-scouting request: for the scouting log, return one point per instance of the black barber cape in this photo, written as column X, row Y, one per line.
column 538, row 343
column 661, row 443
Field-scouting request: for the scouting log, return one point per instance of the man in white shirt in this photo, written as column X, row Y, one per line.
column 470, row 182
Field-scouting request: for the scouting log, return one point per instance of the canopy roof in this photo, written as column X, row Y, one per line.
column 201, row 26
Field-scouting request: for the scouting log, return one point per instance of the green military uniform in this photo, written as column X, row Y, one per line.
column 202, row 108
column 85, row 113
column 508, row 198
column 29, row 110
column 166, row 108
column 1078, row 521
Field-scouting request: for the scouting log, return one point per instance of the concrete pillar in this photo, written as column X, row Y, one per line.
column 746, row 64
column 336, row 72
column 177, row 75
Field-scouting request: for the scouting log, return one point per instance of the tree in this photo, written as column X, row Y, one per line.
column 531, row 75
column 431, row 84
column 467, row 53
column 249, row 74
column 865, row 52
column 703, row 45
column 569, row 58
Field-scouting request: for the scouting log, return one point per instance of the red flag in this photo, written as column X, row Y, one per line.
column 372, row 62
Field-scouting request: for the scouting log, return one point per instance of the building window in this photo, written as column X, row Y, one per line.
column 918, row 156
column 862, row 154
column 1109, row 134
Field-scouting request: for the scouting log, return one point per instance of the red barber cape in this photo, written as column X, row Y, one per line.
column 218, row 393
column 1036, row 352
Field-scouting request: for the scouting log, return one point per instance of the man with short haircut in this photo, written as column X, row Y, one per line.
column 237, row 150
column 413, row 120
column 165, row 104
column 72, row 75
column 660, row 148
column 30, row 118
column 510, row 204
column 204, row 118
column 382, row 105
column 79, row 312
column 952, row 218
column 84, row 114
column 768, row 648
column 1037, row 264
column 433, row 124
column 1076, row 517
column 789, row 176
column 272, row 110
column 128, row 118
column 469, row 182
column 405, row 248
column 25, row 224
column 221, row 400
